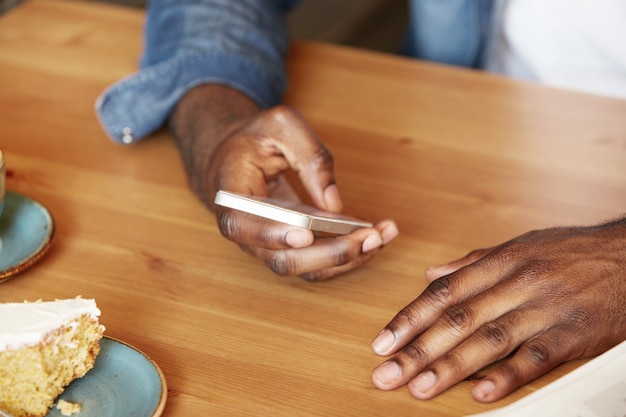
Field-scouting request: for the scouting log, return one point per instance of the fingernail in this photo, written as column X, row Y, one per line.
column 389, row 233
column 297, row 238
column 438, row 271
column 388, row 372
column 425, row 381
column 483, row 389
column 434, row 269
column 332, row 198
column 371, row 242
column 384, row 342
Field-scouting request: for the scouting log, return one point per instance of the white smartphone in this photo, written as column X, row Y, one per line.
column 295, row 214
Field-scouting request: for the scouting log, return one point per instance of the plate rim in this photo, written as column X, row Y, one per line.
column 46, row 242
column 160, row 406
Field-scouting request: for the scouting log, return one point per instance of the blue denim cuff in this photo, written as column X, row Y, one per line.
column 136, row 106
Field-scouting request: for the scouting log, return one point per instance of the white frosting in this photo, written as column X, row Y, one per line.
column 26, row 324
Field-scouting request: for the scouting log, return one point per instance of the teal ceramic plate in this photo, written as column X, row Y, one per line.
column 123, row 382
column 26, row 231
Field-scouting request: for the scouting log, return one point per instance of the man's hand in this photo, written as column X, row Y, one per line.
column 539, row 300
column 228, row 143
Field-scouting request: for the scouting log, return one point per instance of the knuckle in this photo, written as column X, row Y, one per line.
column 312, row 277
column 531, row 276
column 538, row 353
column 322, row 157
column 460, row 317
column 415, row 354
column 227, row 224
column 506, row 254
column 343, row 255
column 287, row 116
column 496, row 334
column 283, row 113
column 453, row 364
column 281, row 264
column 441, row 291
column 318, row 276
column 510, row 374
column 407, row 315
column 339, row 251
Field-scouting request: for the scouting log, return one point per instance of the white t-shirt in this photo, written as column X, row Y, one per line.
column 573, row 44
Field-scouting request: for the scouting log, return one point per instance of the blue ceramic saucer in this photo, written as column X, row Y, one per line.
column 26, row 232
column 123, row 382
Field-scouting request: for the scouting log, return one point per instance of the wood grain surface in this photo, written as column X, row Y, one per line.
column 459, row 159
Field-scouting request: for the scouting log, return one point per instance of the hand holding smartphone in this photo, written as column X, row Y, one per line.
column 290, row 212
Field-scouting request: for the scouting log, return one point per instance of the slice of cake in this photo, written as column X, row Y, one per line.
column 43, row 347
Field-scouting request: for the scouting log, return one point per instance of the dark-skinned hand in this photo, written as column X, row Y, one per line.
column 528, row 305
column 228, row 143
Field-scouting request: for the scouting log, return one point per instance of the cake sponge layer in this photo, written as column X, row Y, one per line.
column 32, row 377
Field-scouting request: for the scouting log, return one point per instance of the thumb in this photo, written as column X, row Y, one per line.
column 438, row 271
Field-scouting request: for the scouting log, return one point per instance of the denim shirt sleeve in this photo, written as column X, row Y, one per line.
column 454, row 32
column 241, row 44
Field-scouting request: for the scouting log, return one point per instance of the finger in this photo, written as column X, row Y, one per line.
column 447, row 334
column 305, row 154
column 247, row 229
column 388, row 231
column 440, row 295
column 438, row 271
column 327, row 273
column 490, row 343
column 336, row 253
column 534, row 358
column 440, row 331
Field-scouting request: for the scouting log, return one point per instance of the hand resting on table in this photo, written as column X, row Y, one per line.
column 541, row 299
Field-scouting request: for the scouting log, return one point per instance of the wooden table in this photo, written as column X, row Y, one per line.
column 460, row 159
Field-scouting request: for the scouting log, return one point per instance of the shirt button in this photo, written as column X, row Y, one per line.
column 127, row 135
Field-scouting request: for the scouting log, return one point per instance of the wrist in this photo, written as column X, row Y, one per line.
column 201, row 121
